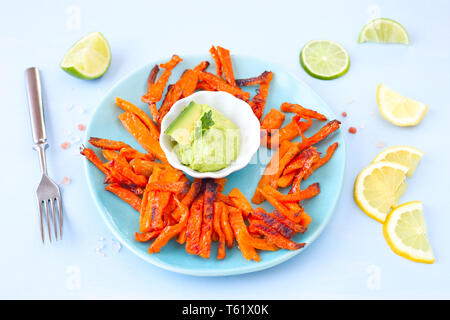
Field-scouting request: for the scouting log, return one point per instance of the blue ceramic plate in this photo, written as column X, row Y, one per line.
column 123, row 220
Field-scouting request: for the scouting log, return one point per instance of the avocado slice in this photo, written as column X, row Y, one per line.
column 181, row 128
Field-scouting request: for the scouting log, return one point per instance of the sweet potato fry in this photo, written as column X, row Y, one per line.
column 172, row 187
column 227, row 65
column 253, row 81
column 255, row 242
column 121, row 165
column 188, row 82
column 147, row 236
column 150, row 81
column 202, row 66
column 116, row 175
column 226, row 227
column 173, row 94
column 169, row 220
column 240, row 202
column 139, row 191
column 145, row 218
column 261, row 243
column 190, row 196
column 184, row 87
column 126, row 195
column 153, row 111
column 286, row 179
column 130, row 154
column 307, row 158
column 181, row 239
column 155, row 91
column 107, row 144
column 259, row 100
column 218, row 208
column 207, row 221
column 157, row 205
column 311, row 191
column 271, row 122
column 324, row 132
column 220, row 184
column 129, row 107
column 292, row 151
column 275, row 237
column 194, row 226
column 92, row 157
column 125, row 175
column 305, row 219
column 322, row 161
column 161, row 198
column 220, row 85
column 297, row 227
column 269, row 175
column 145, row 167
column 112, row 155
column 274, row 223
column 170, row 231
column 225, row 199
column 302, row 112
column 242, row 235
column 152, row 76
column 140, row 132
column 286, row 211
column 215, row 56
column 303, row 125
column 287, row 133
column 299, row 161
column 202, row 85
column 193, row 192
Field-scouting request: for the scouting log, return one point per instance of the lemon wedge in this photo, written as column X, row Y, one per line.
column 399, row 110
column 378, row 188
column 405, row 232
column 404, row 155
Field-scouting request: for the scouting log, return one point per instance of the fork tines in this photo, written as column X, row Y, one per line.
column 50, row 210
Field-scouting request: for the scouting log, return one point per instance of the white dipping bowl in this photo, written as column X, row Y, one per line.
column 236, row 110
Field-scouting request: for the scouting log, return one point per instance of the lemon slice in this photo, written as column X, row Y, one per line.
column 89, row 58
column 407, row 156
column 378, row 188
column 399, row 110
column 406, row 233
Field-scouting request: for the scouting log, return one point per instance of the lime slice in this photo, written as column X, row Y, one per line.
column 406, row 233
column 324, row 59
column 89, row 58
column 383, row 30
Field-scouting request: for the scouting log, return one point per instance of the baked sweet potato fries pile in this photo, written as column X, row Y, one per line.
column 197, row 212
column 292, row 162
column 199, row 79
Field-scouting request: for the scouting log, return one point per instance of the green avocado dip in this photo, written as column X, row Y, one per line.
column 203, row 138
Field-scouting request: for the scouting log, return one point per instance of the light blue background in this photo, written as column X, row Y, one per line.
column 349, row 260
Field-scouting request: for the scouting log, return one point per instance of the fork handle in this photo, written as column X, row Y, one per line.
column 33, row 88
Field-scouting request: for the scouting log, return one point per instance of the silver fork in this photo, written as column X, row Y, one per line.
column 48, row 195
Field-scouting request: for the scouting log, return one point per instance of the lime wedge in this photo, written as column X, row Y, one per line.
column 324, row 59
column 89, row 58
column 383, row 30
